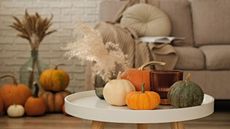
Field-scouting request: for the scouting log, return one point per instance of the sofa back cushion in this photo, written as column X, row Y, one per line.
column 211, row 21
column 178, row 11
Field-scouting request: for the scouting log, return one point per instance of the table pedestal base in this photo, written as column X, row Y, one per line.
column 100, row 125
column 97, row 125
column 177, row 125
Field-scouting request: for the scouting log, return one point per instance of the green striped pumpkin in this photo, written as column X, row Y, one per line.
column 185, row 94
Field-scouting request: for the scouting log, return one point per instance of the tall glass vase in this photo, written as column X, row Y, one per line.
column 32, row 69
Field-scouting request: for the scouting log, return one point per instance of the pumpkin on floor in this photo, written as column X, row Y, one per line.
column 116, row 90
column 15, row 111
column 185, row 94
column 54, row 101
column 142, row 100
column 14, row 93
column 54, row 79
column 139, row 76
column 34, row 105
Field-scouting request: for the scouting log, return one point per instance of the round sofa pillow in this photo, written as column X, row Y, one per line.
column 146, row 20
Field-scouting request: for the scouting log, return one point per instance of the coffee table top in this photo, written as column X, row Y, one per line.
column 87, row 105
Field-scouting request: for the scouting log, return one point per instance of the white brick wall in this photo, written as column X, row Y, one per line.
column 15, row 51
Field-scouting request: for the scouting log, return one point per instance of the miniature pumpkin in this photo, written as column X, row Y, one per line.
column 116, row 90
column 139, row 76
column 14, row 93
column 34, row 105
column 185, row 94
column 15, row 111
column 54, row 79
column 142, row 100
column 54, row 101
column 1, row 106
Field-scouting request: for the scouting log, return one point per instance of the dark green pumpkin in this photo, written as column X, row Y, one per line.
column 185, row 94
column 99, row 84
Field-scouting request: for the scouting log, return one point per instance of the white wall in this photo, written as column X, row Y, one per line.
column 14, row 51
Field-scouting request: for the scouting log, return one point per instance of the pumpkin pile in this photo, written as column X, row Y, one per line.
column 132, row 88
column 54, row 82
column 18, row 100
column 121, row 92
column 13, row 97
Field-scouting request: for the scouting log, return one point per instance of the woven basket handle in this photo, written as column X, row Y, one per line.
column 151, row 63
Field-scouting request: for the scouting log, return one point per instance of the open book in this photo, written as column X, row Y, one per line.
column 158, row 39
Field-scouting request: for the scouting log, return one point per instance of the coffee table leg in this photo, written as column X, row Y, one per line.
column 97, row 125
column 177, row 125
column 142, row 126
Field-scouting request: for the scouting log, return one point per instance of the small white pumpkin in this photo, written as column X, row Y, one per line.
column 15, row 111
column 116, row 90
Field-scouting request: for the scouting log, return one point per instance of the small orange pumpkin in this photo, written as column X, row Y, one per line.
column 14, row 93
column 54, row 79
column 139, row 76
column 34, row 105
column 54, row 101
column 142, row 100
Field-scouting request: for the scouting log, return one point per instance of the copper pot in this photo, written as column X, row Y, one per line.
column 161, row 80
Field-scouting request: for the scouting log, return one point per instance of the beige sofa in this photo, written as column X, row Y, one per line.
column 205, row 53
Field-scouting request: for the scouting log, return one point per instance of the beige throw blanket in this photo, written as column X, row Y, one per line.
column 137, row 52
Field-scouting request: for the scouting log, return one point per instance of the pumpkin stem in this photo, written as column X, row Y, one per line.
column 151, row 63
column 35, row 94
column 143, row 88
column 11, row 76
column 119, row 75
column 56, row 66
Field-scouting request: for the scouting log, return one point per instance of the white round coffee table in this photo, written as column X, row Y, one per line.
column 87, row 105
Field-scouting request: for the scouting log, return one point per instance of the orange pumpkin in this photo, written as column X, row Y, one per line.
column 34, row 105
column 139, row 76
column 142, row 100
column 1, row 106
column 14, row 93
column 54, row 79
column 54, row 101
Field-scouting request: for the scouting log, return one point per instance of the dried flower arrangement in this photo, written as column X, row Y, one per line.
column 33, row 28
column 107, row 58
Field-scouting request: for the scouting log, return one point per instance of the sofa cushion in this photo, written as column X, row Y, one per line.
column 211, row 21
column 179, row 12
column 217, row 57
column 146, row 20
column 190, row 58
column 109, row 8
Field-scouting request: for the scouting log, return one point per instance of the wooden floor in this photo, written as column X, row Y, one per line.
column 218, row 120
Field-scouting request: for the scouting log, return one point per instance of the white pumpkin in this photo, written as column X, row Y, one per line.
column 15, row 111
column 116, row 90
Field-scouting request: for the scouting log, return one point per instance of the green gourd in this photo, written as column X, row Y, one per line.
column 185, row 94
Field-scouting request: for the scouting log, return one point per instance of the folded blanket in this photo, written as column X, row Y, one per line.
column 119, row 35
column 137, row 52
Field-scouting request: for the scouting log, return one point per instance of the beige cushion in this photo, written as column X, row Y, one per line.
column 217, row 57
column 146, row 20
column 179, row 12
column 211, row 19
column 190, row 58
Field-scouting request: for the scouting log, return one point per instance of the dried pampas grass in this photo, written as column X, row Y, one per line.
column 107, row 58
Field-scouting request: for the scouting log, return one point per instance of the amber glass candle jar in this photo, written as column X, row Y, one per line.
column 161, row 80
